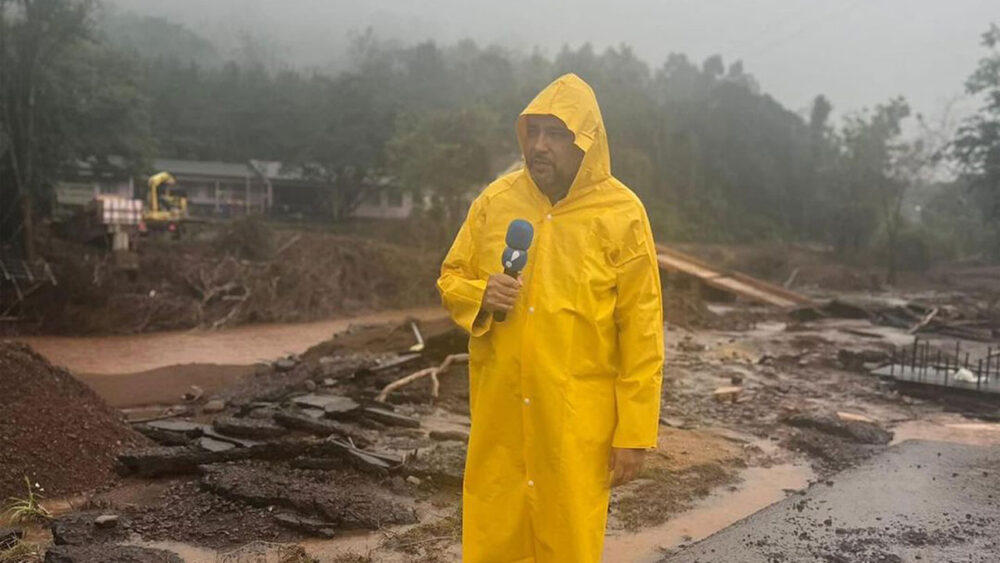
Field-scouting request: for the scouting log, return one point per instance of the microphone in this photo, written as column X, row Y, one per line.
column 515, row 255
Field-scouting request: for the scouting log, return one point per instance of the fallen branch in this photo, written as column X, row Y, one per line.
column 431, row 372
column 923, row 322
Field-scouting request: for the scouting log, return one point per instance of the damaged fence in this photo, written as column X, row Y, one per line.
column 963, row 369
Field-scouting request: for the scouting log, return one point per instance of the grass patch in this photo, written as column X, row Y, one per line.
column 28, row 509
column 22, row 552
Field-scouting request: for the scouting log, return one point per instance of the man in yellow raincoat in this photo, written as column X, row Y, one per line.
column 565, row 393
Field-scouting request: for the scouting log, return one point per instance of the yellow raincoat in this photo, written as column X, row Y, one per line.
column 575, row 369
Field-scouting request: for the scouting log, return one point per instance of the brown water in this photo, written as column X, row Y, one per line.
column 243, row 345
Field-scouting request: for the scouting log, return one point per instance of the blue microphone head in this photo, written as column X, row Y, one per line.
column 514, row 260
column 519, row 234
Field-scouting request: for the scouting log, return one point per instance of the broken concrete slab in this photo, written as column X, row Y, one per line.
column 320, row 427
column 212, row 445
column 109, row 554
column 333, row 406
column 256, row 429
column 81, row 528
column 310, row 526
column 443, row 464
column 163, row 460
column 348, row 505
column 856, row 431
column 386, row 416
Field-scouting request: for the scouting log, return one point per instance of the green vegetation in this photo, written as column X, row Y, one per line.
column 27, row 509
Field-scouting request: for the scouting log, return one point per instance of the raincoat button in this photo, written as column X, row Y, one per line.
column 531, row 309
column 527, row 401
column 531, row 483
column 548, row 217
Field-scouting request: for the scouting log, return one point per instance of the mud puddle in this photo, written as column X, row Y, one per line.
column 244, row 345
column 946, row 427
column 760, row 487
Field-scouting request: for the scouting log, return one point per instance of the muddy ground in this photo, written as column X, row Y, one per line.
column 350, row 484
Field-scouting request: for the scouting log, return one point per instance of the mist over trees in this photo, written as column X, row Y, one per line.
column 712, row 155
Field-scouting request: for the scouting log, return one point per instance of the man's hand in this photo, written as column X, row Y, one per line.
column 625, row 463
column 501, row 293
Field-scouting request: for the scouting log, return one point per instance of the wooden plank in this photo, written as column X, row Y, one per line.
column 731, row 282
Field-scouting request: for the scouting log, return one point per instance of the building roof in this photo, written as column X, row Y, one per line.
column 203, row 168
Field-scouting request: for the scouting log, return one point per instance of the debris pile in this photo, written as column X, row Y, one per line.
column 53, row 428
column 216, row 283
column 300, row 449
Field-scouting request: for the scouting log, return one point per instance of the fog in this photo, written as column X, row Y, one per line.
column 857, row 52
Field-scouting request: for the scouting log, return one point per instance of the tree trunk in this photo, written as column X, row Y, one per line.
column 27, row 228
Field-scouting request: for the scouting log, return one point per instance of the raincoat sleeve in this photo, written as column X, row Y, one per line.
column 460, row 284
column 639, row 317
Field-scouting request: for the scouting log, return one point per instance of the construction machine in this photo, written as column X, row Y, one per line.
column 166, row 209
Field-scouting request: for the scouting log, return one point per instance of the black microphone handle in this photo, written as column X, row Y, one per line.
column 501, row 316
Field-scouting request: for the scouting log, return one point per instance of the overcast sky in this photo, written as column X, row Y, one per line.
column 857, row 52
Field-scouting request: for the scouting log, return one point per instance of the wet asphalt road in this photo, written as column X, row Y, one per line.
column 917, row 502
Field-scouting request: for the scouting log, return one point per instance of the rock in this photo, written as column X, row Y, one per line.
column 310, row 385
column 109, row 554
column 445, row 435
column 414, row 480
column 390, row 418
column 731, row 394
column 310, row 526
column 213, row 406
column 9, row 537
column 106, row 521
column 81, row 528
column 285, row 365
column 257, row 429
column 329, row 382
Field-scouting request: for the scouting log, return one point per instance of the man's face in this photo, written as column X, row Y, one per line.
column 550, row 154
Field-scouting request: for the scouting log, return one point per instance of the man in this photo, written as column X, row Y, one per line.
column 565, row 393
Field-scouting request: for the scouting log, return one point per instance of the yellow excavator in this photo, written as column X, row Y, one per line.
column 165, row 209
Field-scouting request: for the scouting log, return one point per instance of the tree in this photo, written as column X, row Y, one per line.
column 443, row 154
column 977, row 145
column 64, row 97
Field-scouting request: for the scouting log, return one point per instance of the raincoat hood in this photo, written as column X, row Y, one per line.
column 572, row 100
